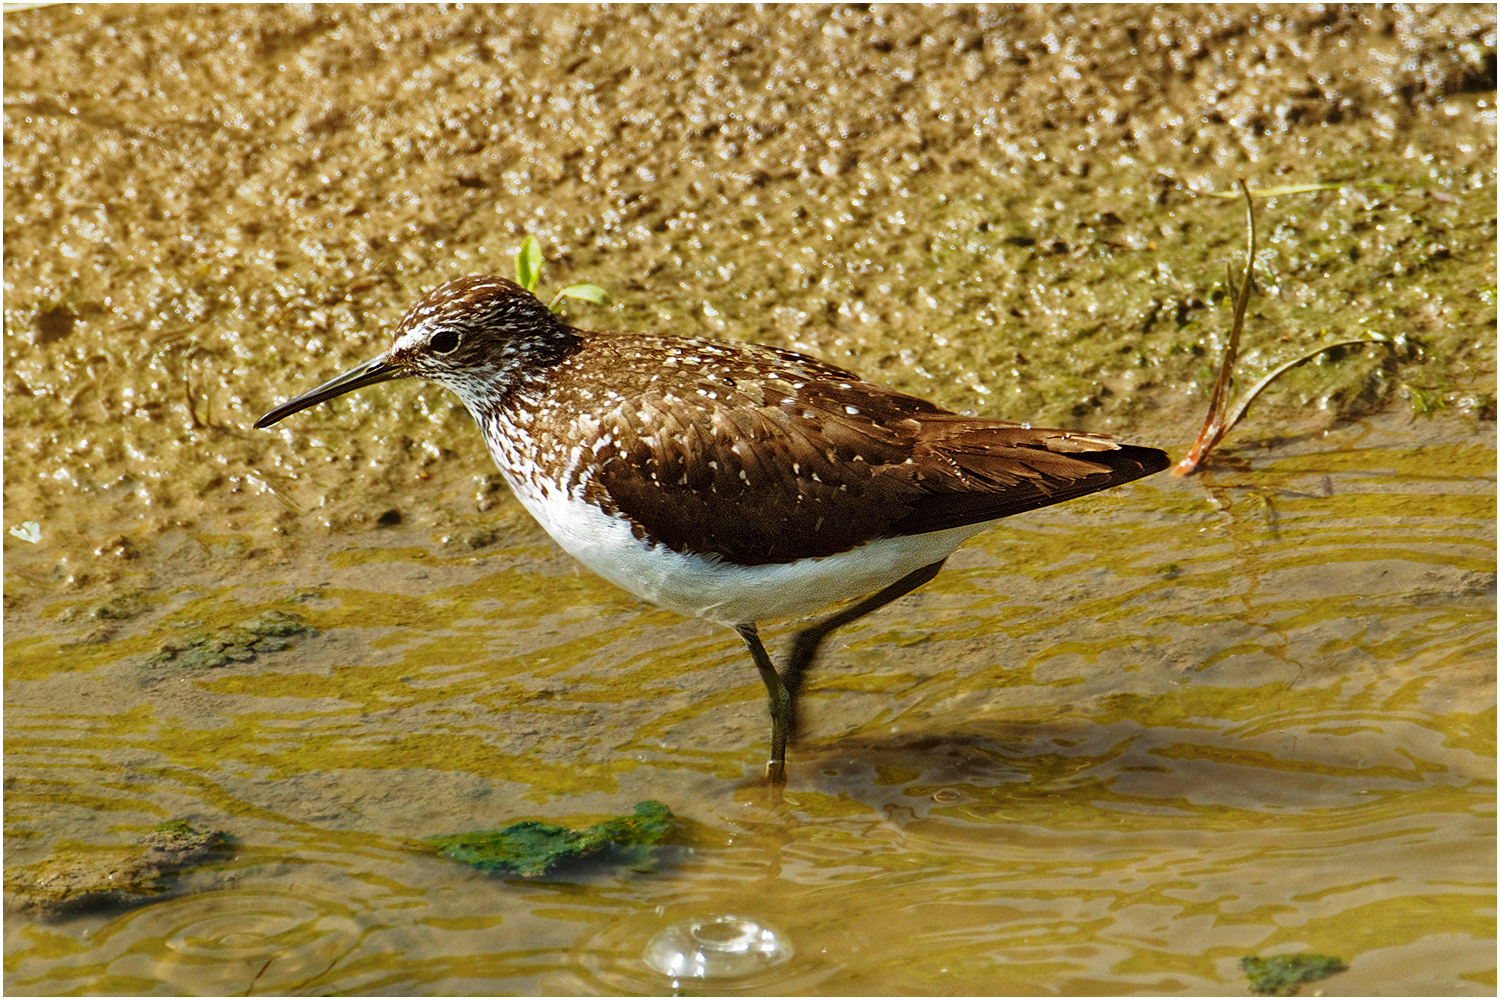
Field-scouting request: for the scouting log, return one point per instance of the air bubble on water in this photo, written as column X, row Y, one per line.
column 721, row 947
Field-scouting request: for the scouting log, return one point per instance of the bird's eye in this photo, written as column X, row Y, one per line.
column 444, row 342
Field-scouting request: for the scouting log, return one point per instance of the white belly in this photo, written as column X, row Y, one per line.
column 708, row 587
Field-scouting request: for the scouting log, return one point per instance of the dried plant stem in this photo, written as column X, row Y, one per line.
column 1214, row 427
column 1220, row 420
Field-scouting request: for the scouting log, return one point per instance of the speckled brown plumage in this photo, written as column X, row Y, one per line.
column 761, row 456
column 752, row 454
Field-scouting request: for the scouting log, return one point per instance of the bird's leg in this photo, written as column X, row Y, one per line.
column 782, row 688
column 805, row 645
column 781, row 703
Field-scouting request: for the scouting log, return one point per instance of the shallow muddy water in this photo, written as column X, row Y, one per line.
column 1114, row 747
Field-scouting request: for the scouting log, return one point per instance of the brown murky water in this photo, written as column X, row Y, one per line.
column 1112, row 748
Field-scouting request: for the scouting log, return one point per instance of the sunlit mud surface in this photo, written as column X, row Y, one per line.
column 1115, row 746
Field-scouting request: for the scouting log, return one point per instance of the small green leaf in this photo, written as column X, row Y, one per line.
column 1425, row 402
column 589, row 293
column 529, row 264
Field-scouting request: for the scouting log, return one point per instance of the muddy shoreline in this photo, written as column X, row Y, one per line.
column 208, row 211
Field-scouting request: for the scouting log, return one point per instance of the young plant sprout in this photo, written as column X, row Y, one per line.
column 529, row 275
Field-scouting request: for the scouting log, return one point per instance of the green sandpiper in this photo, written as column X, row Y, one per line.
column 732, row 482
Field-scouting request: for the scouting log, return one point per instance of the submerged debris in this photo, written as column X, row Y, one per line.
column 266, row 633
column 1283, row 975
column 73, row 881
column 532, row 848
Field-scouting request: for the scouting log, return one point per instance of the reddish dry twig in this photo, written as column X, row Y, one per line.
column 1220, row 421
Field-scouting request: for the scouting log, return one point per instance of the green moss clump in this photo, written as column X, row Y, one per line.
column 266, row 633
column 1283, row 975
column 532, row 848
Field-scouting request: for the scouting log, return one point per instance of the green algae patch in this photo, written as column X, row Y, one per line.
column 532, row 849
column 266, row 633
column 1283, row 975
column 76, row 881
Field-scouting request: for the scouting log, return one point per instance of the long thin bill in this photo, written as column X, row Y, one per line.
column 372, row 371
